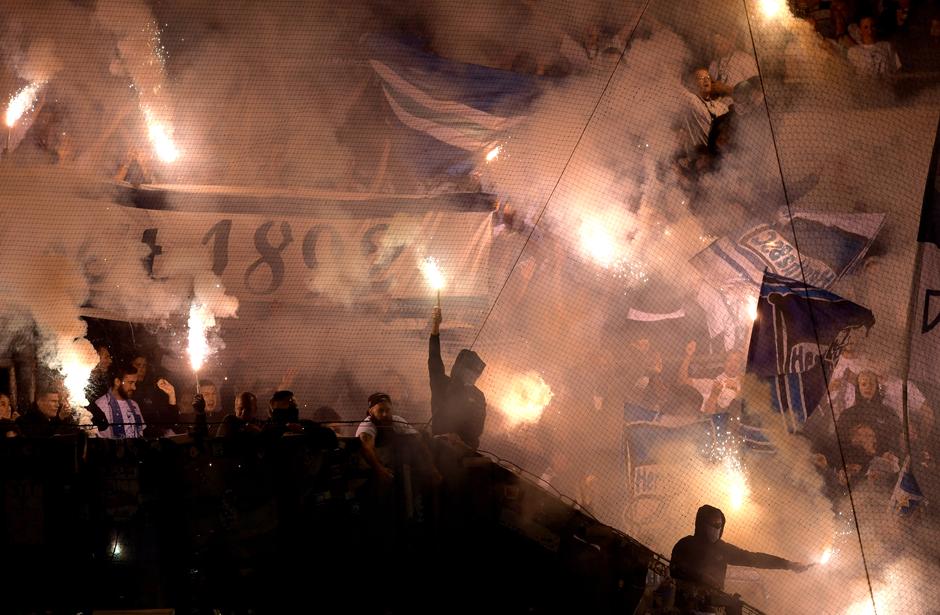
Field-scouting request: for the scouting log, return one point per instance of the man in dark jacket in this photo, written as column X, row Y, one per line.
column 699, row 562
column 458, row 407
column 44, row 418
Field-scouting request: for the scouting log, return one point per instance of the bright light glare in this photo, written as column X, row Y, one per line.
column 200, row 321
column 772, row 8
column 527, row 397
column 826, row 556
column 160, row 138
column 597, row 242
column 432, row 273
column 21, row 102
column 751, row 308
column 735, row 484
column 78, row 359
column 493, row 154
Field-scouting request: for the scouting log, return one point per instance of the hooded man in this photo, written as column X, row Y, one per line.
column 700, row 562
column 458, row 407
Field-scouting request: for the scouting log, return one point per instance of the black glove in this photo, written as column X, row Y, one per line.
column 199, row 404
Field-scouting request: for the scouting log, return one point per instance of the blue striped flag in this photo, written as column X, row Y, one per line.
column 462, row 106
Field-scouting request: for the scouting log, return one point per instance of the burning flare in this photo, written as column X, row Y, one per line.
column 771, row 8
column 733, row 483
column 826, row 556
column 432, row 273
column 160, row 138
column 78, row 359
column 200, row 321
column 21, row 102
column 493, row 154
column 597, row 242
column 527, row 397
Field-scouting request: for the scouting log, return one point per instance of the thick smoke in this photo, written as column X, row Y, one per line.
column 274, row 96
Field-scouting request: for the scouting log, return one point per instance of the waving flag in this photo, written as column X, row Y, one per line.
column 464, row 106
column 829, row 245
column 798, row 335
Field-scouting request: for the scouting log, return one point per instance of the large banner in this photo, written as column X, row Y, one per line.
column 320, row 251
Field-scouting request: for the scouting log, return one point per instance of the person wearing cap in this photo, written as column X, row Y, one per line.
column 379, row 431
column 458, row 407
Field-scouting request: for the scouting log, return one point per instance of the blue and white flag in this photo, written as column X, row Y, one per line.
column 830, row 244
column 464, row 106
column 797, row 338
column 653, row 443
column 907, row 496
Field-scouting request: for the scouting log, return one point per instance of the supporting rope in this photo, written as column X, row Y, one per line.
column 796, row 245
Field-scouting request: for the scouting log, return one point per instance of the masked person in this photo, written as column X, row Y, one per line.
column 458, row 407
column 700, row 562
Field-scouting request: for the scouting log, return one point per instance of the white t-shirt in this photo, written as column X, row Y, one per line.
column 730, row 391
column 877, row 59
column 399, row 425
column 701, row 114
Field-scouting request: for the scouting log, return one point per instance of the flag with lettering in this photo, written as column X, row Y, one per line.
column 924, row 330
column 829, row 245
column 796, row 341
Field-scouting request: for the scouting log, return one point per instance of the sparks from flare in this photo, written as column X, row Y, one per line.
column 434, row 276
column 826, row 556
column 160, row 138
column 200, row 321
column 493, row 154
column 526, row 398
column 21, row 102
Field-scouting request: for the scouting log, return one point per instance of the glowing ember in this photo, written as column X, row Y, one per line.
column 493, row 154
column 78, row 360
column 597, row 242
column 22, row 102
column 826, row 556
column 772, row 8
column 527, row 397
column 200, row 321
column 160, row 138
column 432, row 273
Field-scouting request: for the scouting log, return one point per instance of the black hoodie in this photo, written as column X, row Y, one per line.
column 696, row 559
column 455, row 407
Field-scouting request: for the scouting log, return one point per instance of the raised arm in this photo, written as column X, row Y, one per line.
column 435, row 363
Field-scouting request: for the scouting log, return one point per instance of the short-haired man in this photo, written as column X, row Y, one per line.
column 45, row 416
column 123, row 416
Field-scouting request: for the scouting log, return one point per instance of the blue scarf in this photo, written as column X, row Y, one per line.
column 117, row 417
